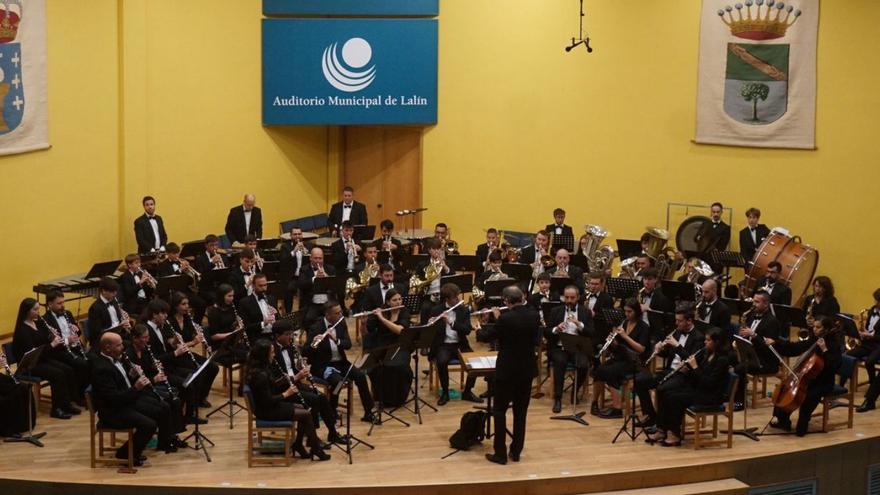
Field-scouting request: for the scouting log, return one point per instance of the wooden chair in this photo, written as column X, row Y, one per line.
column 105, row 455
column 849, row 369
column 258, row 427
column 570, row 370
column 625, row 394
column 434, row 377
column 754, row 380
column 700, row 413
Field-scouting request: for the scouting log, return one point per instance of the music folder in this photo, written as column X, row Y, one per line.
column 326, row 285
column 465, row 281
column 172, row 283
column 797, row 317
column 103, row 269
column 363, row 233
column 418, row 336
column 627, row 248
column 679, row 291
column 519, row 271
column 192, row 249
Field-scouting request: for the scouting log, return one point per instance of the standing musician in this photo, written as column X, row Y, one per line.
column 391, row 381
column 136, row 285
column 211, row 259
column 778, row 291
column 244, row 220
column 712, row 310
column 347, row 210
column 123, row 403
column 258, row 310
column 223, row 319
column 388, row 244
column 436, row 259
column 566, row 270
column 825, row 344
column 532, row 253
column 149, row 229
column 751, row 236
column 270, row 405
column 868, row 350
column 822, row 301
column 517, row 334
column 488, row 247
column 313, row 302
column 300, row 375
column 571, row 318
column 720, row 231
column 138, row 355
column 346, row 251
column 632, row 340
column 294, row 256
column 14, row 397
column 450, row 338
column 703, row 382
column 183, row 326
column 242, row 278
column 105, row 314
column 674, row 349
column 376, row 294
column 759, row 324
column 653, row 299
column 64, row 325
column 31, row 332
column 175, row 265
column 326, row 351
column 596, row 300
column 558, row 226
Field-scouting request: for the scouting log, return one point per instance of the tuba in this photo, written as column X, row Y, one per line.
column 663, row 255
column 599, row 257
column 418, row 285
column 354, row 286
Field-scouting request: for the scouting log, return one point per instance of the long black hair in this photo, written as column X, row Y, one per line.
column 258, row 357
column 27, row 304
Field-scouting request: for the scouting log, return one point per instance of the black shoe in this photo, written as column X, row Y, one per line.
column 645, row 422
column 337, row 438
column 594, row 409
column 168, row 449
column 470, row 397
column 611, row 413
column 301, row 452
column 71, row 409
column 444, row 398
column 319, row 455
column 192, row 420
column 326, row 445
column 557, row 406
column 650, row 430
column 513, row 456
column 204, row 403
column 180, row 444
column 866, row 406
column 738, row 406
column 781, row 425
column 496, row 459
column 59, row 413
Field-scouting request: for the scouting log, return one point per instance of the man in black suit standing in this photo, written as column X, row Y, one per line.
column 558, row 228
column 751, row 237
column 244, row 220
column 347, row 210
column 571, row 318
column 105, row 313
column 149, row 229
column 294, row 256
column 517, row 333
column 719, row 231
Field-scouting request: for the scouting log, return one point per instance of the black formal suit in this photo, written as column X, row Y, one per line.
column 767, row 327
column 529, row 254
column 645, row 381
column 204, row 265
column 129, row 288
column 517, row 333
column 575, row 273
column 600, row 301
column 340, row 256
column 143, row 233
column 252, row 316
column 483, row 252
column 397, row 254
column 703, row 386
column 564, row 229
column 120, row 405
column 238, row 282
column 289, row 267
column 100, row 321
column 442, row 352
column 747, row 246
column 236, row 227
column 779, row 292
column 557, row 356
column 326, row 368
column 658, row 302
column 716, row 314
column 75, row 359
column 535, row 300
column 373, row 295
column 720, row 235
column 61, row 377
column 869, row 351
column 163, row 389
column 167, row 269
column 306, row 284
column 308, row 396
column 358, row 215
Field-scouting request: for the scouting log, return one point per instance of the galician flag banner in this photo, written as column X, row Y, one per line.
column 23, row 114
column 757, row 74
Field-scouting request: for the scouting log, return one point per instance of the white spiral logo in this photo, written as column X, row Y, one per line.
column 356, row 53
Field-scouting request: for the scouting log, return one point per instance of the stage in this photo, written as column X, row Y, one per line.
column 560, row 457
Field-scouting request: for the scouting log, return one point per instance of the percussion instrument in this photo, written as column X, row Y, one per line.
column 798, row 260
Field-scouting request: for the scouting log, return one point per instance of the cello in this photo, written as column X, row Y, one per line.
column 791, row 391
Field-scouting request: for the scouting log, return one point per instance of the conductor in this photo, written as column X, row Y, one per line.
column 517, row 333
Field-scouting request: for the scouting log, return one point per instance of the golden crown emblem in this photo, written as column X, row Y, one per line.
column 759, row 19
column 9, row 21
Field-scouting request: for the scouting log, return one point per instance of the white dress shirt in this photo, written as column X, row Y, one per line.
column 155, row 225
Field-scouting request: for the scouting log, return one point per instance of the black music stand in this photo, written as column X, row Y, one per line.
column 679, row 291
column 727, row 260
column 622, row 288
column 493, row 288
column 216, row 276
column 547, row 307
column 518, row 271
column 411, row 261
column 268, row 243
column 231, row 403
column 628, row 427
column 558, row 284
column 416, row 340
column 364, row 232
column 464, row 263
column 413, row 303
column 165, row 286
column 376, row 358
column 578, row 345
column 562, row 241
column 192, row 248
column 613, row 316
column 27, row 363
column 464, row 281
column 580, row 261
column 793, row 315
column 745, row 347
column 737, row 306
column 103, row 269
column 327, row 285
column 198, row 437
column 351, row 441
column 627, row 248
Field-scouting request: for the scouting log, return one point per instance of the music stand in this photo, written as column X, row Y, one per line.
column 411, row 261
column 198, row 437
column 679, row 291
column 192, row 248
column 737, row 306
column 465, row 281
column 364, row 232
column 518, row 271
column 558, row 284
column 627, row 248
column 578, row 345
column 580, row 261
column 231, row 403
column 464, row 263
column 375, row 358
column 613, row 316
column 413, row 303
column 562, row 241
column 268, row 243
column 103, row 269
column 171, row 284
column 746, row 348
column 216, row 276
column 727, row 260
column 326, row 285
column 622, row 288
column 27, row 363
column 796, row 316
column 351, row 441
column 629, row 424
column 415, row 340
column 493, row 288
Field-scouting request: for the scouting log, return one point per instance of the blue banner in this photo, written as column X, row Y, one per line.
column 349, row 71
column 351, row 7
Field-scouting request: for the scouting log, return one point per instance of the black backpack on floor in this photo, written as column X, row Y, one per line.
column 471, row 431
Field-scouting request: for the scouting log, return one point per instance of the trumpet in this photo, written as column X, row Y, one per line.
column 640, row 296
column 679, row 367
column 187, row 269
column 6, row 367
column 319, row 270
column 364, row 314
column 161, row 369
column 299, row 247
column 258, row 261
column 320, row 338
column 148, row 279
column 217, row 260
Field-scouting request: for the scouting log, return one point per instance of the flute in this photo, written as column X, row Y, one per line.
column 434, row 319
column 320, row 338
column 374, row 311
column 489, row 310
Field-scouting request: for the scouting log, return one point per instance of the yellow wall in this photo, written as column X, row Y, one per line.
column 607, row 136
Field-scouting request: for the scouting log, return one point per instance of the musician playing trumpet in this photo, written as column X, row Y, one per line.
column 310, row 300
column 136, row 285
column 173, row 264
column 294, row 256
column 388, row 244
column 241, row 278
column 869, row 350
column 346, row 251
column 437, row 261
column 565, row 269
column 488, row 247
column 533, row 253
column 205, row 262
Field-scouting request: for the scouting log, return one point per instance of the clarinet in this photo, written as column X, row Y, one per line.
column 55, row 333
column 200, row 331
column 72, row 324
column 182, row 342
column 298, row 361
column 290, row 384
column 240, row 324
column 679, row 367
column 139, row 372
column 8, row 369
column 158, row 364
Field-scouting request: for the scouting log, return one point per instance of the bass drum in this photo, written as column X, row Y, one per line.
column 798, row 260
column 692, row 236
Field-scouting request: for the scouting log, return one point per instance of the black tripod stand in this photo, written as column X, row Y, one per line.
column 376, row 359
column 414, row 340
column 28, row 361
column 199, row 439
column 629, row 424
column 231, row 403
column 351, row 441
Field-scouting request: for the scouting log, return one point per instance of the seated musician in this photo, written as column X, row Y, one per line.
column 258, row 310
column 675, row 348
column 186, row 330
column 486, row 248
column 106, row 314
column 822, row 301
column 122, row 401
column 387, row 243
column 574, row 319
column 328, row 340
column 624, row 355
column 653, row 299
column 391, row 381
column 244, row 220
column 692, row 274
column 493, row 272
column 294, row 256
column 175, row 265
column 149, row 229
column 140, row 354
column 702, row 383
column 136, row 285
column 531, row 254
column 211, row 259
column 270, row 405
column 163, row 347
column 558, row 226
column 643, row 262
column 310, row 301
column 752, row 236
column 597, row 300
column 368, row 268
column 287, row 362
column 453, row 327
column 251, row 242
column 62, row 321
column 564, row 269
column 759, row 324
column 824, row 342
column 223, row 319
column 778, row 291
column 376, row 294
column 712, row 310
column 241, row 277
column 868, row 350
column 437, row 261
column 346, row 251
column 14, row 408
column 541, row 293
column 31, row 332
column 447, row 245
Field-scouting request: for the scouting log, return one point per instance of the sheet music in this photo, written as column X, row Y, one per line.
column 482, row 362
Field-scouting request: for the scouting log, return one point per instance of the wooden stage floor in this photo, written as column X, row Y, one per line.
column 559, row 457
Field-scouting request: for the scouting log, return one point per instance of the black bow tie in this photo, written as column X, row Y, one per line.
column 752, row 229
column 346, row 206
column 386, row 287
column 875, row 313
column 757, row 317
column 261, row 297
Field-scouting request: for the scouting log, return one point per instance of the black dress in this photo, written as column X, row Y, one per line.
column 222, row 320
column 271, row 406
column 14, row 407
column 391, row 381
column 61, row 377
column 704, row 386
column 623, row 359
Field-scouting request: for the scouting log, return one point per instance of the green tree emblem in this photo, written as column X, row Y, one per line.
column 753, row 92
